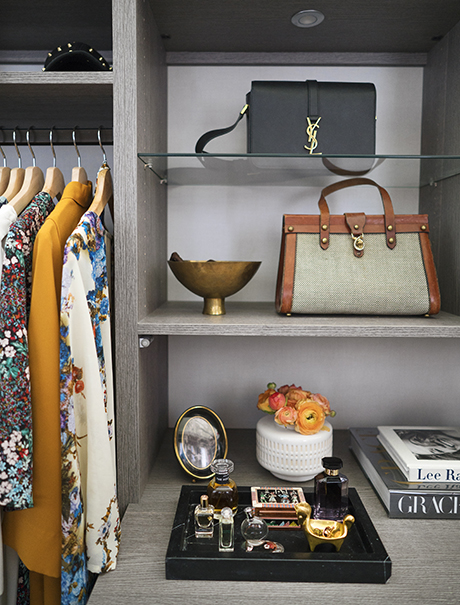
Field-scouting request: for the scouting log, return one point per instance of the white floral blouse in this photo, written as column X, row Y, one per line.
column 90, row 515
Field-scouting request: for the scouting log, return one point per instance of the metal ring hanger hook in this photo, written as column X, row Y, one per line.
column 104, row 155
column 76, row 148
column 34, row 162
column 17, row 149
column 4, row 156
column 52, row 148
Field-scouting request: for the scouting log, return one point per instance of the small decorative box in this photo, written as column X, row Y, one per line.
column 276, row 505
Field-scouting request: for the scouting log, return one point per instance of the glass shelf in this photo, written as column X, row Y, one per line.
column 411, row 171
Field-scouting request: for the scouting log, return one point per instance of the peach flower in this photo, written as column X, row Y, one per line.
column 293, row 396
column 324, row 403
column 276, row 401
column 263, row 403
column 285, row 388
column 310, row 417
column 286, row 416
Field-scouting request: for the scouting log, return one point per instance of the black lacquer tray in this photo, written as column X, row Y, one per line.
column 362, row 558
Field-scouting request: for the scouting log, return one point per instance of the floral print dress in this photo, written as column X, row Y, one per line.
column 15, row 405
column 7, row 216
column 90, row 515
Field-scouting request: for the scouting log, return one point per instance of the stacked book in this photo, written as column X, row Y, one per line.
column 414, row 470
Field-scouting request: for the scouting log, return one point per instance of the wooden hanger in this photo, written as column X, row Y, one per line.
column 104, row 192
column 104, row 185
column 4, row 174
column 54, row 180
column 16, row 176
column 33, row 184
column 15, row 183
column 54, row 183
column 78, row 173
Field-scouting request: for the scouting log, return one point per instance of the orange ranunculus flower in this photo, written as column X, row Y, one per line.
column 286, row 416
column 276, row 401
column 293, row 396
column 263, row 403
column 310, row 417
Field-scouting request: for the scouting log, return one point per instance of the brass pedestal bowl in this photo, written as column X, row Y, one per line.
column 322, row 531
column 213, row 280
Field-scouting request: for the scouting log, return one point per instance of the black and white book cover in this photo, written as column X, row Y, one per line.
column 424, row 453
column 402, row 498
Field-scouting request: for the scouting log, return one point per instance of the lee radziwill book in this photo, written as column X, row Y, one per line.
column 400, row 497
column 424, row 453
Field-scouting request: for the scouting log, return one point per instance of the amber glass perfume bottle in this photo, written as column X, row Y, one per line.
column 204, row 519
column 222, row 490
column 331, row 491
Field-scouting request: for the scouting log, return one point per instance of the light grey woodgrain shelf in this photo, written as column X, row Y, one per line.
column 56, row 78
column 424, row 553
column 260, row 319
column 46, row 99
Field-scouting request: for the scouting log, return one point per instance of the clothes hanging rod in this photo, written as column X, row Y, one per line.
column 60, row 136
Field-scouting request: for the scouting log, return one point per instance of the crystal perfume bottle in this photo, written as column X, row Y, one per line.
column 204, row 518
column 331, row 491
column 253, row 529
column 222, row 490
column 226, row 530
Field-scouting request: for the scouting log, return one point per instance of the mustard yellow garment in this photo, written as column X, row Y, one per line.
column 35, row 533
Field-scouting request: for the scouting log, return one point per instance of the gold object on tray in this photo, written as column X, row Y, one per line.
column 213, row 280
column 322, row 531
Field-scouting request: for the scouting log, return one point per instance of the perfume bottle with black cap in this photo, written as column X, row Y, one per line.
column 331, row 491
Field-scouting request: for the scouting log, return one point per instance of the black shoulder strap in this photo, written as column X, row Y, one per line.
column 212, row 134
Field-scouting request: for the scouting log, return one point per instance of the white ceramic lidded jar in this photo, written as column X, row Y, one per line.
column 290, row 455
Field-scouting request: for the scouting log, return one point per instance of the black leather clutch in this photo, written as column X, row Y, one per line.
column 307, row 118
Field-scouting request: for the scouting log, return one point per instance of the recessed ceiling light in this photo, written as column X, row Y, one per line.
column 307, row 18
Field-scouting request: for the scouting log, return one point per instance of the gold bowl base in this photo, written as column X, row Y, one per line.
column 214, row 306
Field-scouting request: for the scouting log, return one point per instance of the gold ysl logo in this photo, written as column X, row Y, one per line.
column 311, row 131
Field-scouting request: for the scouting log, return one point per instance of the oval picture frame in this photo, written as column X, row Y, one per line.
column 199, row 438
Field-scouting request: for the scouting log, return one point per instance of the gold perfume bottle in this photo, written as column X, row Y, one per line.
column 204, row 518
column 222, row 490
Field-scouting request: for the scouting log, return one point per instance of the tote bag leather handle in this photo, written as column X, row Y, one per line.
column 390, row 226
